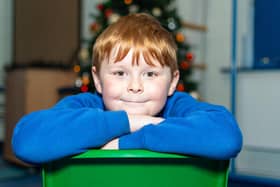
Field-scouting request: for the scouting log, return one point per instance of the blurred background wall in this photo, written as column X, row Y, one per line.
column 6, row 51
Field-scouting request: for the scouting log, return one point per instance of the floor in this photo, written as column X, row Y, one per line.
column 27, row 181
column 34, row 180
column 14, row 176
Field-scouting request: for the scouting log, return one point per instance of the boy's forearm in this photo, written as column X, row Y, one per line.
column 79, row 128
column 212, row 134
column 136, row 122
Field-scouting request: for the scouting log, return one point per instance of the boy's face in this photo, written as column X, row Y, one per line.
column 138, row 89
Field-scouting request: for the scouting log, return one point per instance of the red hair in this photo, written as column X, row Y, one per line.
column 144, row 34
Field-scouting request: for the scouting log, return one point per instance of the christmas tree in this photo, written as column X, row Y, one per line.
column 109, row 11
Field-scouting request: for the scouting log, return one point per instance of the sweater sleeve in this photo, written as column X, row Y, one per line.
column 190, row 127
column 70, row 127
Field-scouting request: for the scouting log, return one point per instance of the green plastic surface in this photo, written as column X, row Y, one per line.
column 135, row 168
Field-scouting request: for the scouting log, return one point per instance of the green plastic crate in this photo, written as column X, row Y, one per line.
column 134, row 168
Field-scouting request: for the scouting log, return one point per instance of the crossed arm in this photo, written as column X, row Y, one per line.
column 79, row 123
column 136, row 122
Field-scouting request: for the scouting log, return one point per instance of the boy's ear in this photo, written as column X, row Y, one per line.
column 174, row 82
column 96, row 80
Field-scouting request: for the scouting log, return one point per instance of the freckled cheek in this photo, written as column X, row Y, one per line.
column 112, row 88
column 157, row 87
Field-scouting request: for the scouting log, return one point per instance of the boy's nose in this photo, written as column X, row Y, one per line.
column 135, row 86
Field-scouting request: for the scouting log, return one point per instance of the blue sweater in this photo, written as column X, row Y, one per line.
column 80, row 122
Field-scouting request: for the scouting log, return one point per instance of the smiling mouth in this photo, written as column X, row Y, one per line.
column 132, row 101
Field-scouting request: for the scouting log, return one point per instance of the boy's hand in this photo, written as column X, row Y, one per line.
column 114, row 144
column 136, row 122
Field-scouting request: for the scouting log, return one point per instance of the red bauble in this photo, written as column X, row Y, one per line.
column 181, row 87
column 108, row 12
column 100, row 7
column 84, row 88
column 94, row 27
column 185, row 65
column 189, row 56
column 127, row 2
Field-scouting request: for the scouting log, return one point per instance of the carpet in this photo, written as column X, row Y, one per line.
column 9, row 171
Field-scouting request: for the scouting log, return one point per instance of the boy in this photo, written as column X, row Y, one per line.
column 136, row 106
